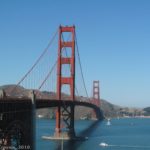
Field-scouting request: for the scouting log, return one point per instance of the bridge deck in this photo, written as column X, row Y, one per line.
column 15, row 103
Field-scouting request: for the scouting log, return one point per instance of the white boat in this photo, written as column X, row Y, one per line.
column 108, row 122
column 40, row 116
column 103, row 144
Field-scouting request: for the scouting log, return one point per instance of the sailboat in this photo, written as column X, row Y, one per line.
column 108, row 122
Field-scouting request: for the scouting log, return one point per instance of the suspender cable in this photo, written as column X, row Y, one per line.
column 48, row 75
column 80, row 65
column 37, row 61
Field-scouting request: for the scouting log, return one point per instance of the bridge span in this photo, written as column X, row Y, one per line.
column 45, row 103
column 13, row 104
column 17, row 118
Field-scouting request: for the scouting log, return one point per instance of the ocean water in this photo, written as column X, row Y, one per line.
column 122, row 134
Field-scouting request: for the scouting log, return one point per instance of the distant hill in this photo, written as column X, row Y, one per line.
column 109, row 110
column 147, row 111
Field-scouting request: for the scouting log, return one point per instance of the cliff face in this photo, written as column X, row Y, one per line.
column 109, row 110
column 147, row 111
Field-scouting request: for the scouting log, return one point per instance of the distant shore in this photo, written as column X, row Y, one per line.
column 134, row 117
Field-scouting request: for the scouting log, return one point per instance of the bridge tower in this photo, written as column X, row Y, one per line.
column 96, row 96
column 65, row 114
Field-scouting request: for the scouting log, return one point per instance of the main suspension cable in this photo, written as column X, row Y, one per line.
column 37, row 61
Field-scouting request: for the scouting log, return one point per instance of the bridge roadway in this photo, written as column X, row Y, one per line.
column 47, row 103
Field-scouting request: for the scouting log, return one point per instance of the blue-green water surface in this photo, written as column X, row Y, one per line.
column 122, row 134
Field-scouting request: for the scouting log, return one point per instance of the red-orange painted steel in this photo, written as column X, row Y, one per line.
column 66, row 44
column 67, row 60
column 96, row 97
column 96, row 93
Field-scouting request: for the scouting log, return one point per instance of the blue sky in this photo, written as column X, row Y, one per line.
column 113, row 38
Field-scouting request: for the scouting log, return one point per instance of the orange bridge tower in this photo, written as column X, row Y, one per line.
column 65, row 114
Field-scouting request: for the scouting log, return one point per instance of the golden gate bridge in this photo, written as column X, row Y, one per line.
column 58, row 72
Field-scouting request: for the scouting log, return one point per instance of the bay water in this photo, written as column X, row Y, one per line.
column 121, row 134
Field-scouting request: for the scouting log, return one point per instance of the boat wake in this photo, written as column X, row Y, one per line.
column 124, row 146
